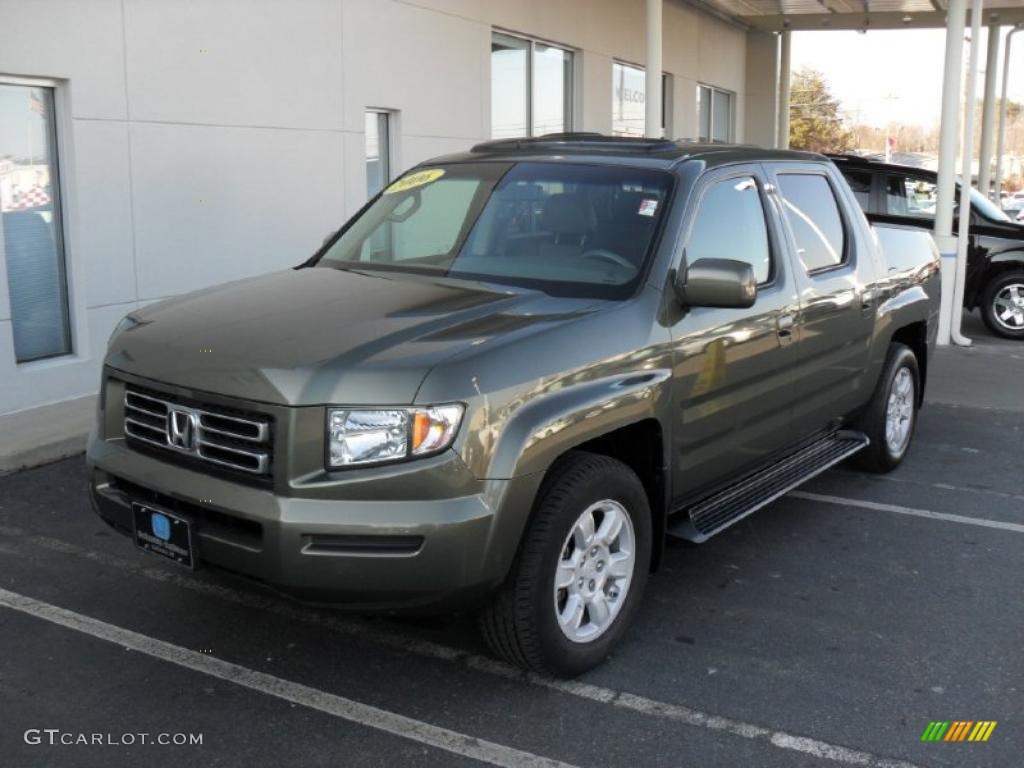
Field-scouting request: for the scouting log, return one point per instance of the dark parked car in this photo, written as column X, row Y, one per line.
column 903, row 196
column 512, row 374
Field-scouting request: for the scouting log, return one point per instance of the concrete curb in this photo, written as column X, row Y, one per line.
column 48, row 433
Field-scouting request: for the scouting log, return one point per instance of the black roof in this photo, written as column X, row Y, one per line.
column 873, row 164
column 627, row 150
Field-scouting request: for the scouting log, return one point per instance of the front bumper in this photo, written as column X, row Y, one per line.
column 371, row 553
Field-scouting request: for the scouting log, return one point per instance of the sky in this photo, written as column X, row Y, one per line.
column 893, row 75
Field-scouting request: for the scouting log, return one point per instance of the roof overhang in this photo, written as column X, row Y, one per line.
column 777, row 15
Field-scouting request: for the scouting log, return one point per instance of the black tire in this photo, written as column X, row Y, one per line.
column 995, row 285
column 519, row 624
column 879, row 457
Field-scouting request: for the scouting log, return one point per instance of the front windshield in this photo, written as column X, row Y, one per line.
column 566, row 229
column 986, row 207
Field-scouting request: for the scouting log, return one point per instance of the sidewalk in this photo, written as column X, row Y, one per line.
column 988, row 374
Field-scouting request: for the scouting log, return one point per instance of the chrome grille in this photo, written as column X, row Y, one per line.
column 226, row 439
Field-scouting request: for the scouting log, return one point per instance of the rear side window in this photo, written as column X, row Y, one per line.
column 860, row 184
column 919, row 197
column 896, row 196
column 730, row 225
column 813, row 215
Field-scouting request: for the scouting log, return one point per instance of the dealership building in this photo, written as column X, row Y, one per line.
column 154, row 147
column 150, row 148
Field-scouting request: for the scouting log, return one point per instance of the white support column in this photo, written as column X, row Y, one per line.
column 782, row 135
column 652, row 91
column 988, row 112
column 1000, row 142
column 964, row 228
column 946, row 192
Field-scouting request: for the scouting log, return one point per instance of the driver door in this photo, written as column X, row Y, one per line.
column 734, row 382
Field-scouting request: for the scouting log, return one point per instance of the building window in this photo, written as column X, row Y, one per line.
column 378, row 150
column 531, row 87
column 30, row 223
column 629, row 88
column 714, row 114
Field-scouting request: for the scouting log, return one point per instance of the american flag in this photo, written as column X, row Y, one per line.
column 35, row 103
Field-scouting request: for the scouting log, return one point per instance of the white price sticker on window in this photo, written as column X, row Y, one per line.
column 648, row 207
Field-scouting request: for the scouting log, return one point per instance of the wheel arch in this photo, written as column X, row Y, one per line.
column 642, row 447
column 915, row 336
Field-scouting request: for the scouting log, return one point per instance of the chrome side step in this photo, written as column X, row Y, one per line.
column 702, row 520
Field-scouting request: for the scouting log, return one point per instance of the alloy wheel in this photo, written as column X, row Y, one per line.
column 595, row 571
column 1008, row 307
column 899, row 413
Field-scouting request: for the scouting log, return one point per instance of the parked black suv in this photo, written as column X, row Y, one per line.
column 902, row 195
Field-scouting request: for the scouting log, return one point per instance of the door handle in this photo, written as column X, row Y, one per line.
column 785, row 328
column 867, row 298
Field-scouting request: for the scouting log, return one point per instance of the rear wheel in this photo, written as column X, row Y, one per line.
column 891, row 416
column 1002, row 305
column 580, row 571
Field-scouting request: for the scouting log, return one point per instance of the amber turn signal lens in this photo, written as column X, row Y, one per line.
column 434, row 428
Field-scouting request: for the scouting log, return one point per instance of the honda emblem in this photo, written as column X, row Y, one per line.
column 181, row 429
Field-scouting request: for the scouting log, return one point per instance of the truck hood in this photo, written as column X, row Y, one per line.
column 321, row 335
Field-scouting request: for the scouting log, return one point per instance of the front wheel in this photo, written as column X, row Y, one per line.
column 580, row 571
column 1002, row 305
column 891, row 416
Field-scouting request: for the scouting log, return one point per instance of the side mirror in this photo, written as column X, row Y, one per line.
column 718, row 283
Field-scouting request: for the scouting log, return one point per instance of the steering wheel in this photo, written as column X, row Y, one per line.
column 601, row 253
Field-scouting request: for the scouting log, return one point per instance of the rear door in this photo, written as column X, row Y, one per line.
column 835, row 276
column 733, row 368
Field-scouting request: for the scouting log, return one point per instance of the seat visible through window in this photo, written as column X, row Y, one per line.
column 570, row 219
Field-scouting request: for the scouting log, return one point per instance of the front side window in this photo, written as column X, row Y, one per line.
column 813, row 214
column 572, row 230
column 629, row 96
column 531, row 87
column 30, row 223
column 730, row 224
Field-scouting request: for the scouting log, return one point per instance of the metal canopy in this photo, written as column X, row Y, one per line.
column 777, row 15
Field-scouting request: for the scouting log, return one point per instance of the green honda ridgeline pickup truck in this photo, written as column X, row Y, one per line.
column 516, row 371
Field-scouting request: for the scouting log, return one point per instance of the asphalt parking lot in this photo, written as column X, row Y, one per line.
column 826, row 630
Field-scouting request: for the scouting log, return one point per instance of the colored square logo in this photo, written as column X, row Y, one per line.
column 161, row 525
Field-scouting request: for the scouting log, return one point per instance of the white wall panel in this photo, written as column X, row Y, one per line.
column 80, row 42
column 235, row 62
column 273, row 195
column 424, row 63
column 103, row 216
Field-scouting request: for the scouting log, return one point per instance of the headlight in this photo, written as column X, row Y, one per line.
column 370, row 436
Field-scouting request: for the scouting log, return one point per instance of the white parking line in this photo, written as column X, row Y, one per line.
column 425, row 648
column 346, row 709
column 925, row 484
column 899, row 510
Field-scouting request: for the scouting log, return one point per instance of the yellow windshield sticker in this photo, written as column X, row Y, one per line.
column 414, row 180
